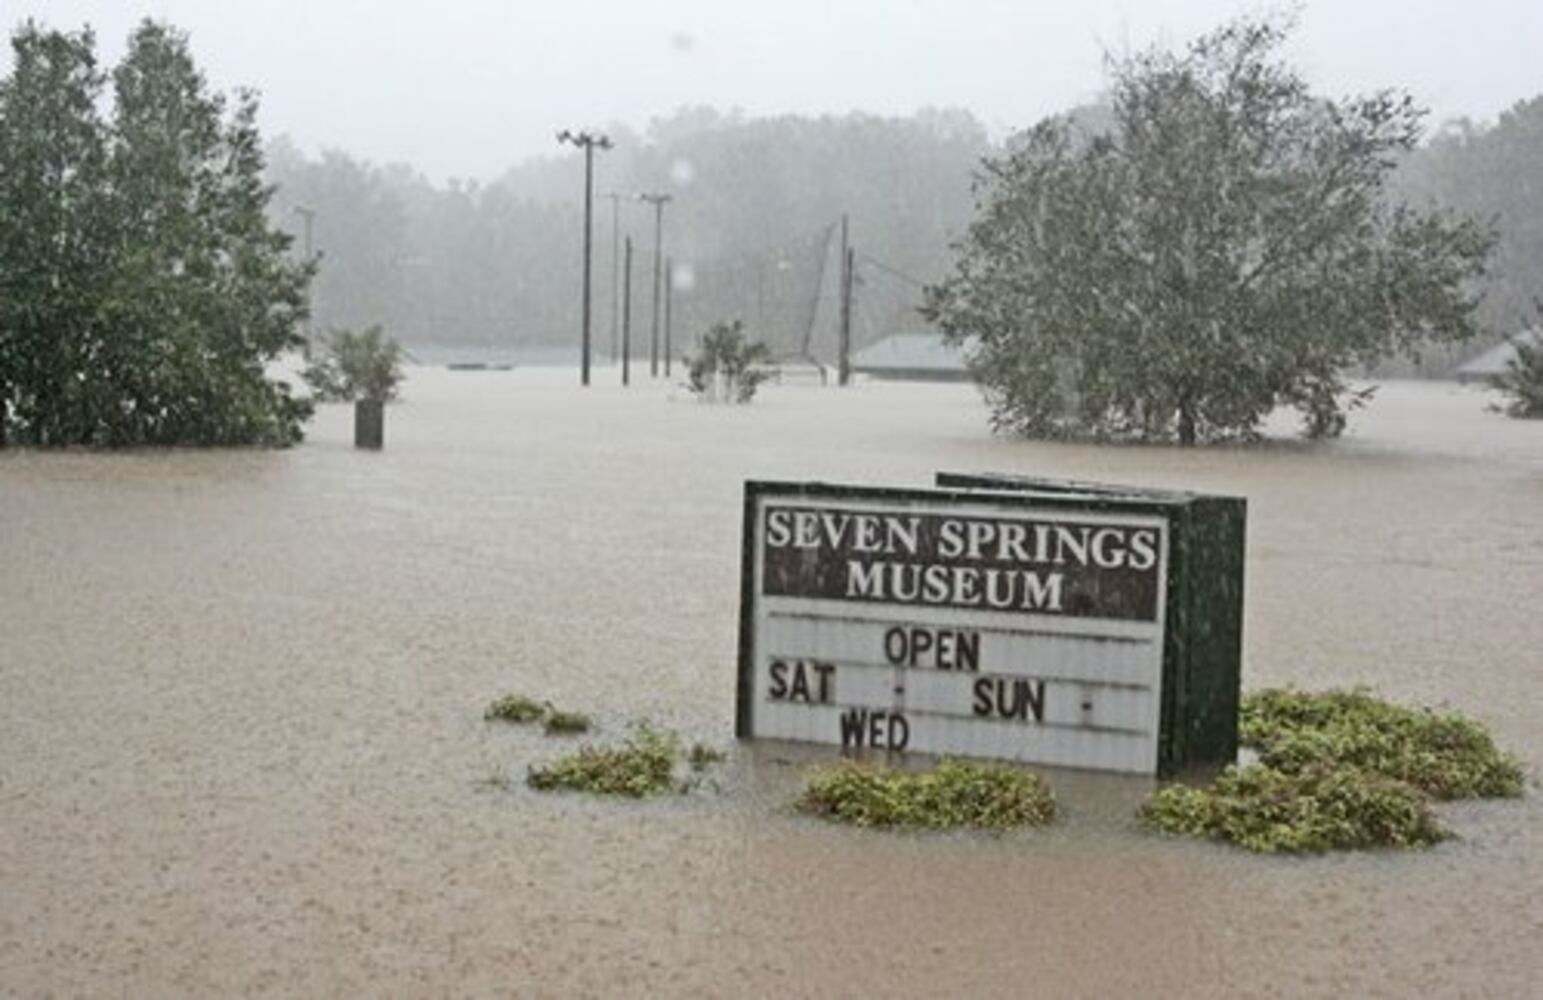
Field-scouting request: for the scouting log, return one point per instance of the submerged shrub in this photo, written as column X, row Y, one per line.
column 1339, row 769
column 515, row 708
column 701, row 756
column 952, row 794
column 562, row 723
column 644, row 765
column 1522, row 379
column 1318, row 808
column 1445, row 754
column 730, row 367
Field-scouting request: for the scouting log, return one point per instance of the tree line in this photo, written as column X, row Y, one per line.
column 754, row 199
column 750, row 227
column 1491, row 171
column 1210, row 241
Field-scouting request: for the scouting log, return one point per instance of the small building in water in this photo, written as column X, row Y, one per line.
column 1495, row 360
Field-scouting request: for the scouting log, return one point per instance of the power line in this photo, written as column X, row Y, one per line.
column 893, row 271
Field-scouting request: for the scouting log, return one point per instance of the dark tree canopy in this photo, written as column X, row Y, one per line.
column 1220, row 247
column 142, row 291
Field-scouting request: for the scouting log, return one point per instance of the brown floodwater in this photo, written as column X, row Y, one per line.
column 242, row 746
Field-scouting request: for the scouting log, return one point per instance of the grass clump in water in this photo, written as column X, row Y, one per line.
column 1444, row 754
column 953, row 794
column 1316, row 809
column 515, row 708
column 644, row 765
column 560, row 723
column 701, row 757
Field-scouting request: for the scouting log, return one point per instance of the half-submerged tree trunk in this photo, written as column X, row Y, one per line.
column 370, row 424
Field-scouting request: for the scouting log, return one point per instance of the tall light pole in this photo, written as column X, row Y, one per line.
column 586, row 141
column 658, row 201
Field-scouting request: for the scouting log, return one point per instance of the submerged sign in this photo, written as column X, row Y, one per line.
column 1008, row 620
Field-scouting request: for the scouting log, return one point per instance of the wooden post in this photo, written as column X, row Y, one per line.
column 844, row 362
column 626, row 316
column 669, row 289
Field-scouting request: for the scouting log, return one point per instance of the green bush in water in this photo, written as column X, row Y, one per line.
column 644, row 765
column 515, row 708
column 1445, row 754
column 1318, row 808
column 564, row 723
column 1336, row 770
column 701, row 756
column 952, row 794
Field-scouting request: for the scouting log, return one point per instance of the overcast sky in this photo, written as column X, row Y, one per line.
column 467, row 87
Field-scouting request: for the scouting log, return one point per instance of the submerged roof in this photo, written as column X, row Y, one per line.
column 1495, row 360
column 911, row 352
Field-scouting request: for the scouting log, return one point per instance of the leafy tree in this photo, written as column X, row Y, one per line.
column 729, row 366
column 355, row 366
column 1221, row 248
column 53, row 241
column 157, row 292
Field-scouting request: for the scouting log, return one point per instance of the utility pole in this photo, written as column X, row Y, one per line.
column 586, row 141
column 658, row 201
column 844, row 360
column 615, row 197
column 626, row 318
column 669, row 296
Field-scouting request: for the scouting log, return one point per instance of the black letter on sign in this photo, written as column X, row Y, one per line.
column 779, row 680
column 1034, row 698
column 852, row 722
column 800, row 683
column 969, row 651
column 824, row 670
column 982, row 704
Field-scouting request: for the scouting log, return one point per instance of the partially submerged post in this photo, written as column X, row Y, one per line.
column 370, row 423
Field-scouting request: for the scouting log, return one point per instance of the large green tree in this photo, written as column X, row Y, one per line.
column 1219, row 247
column 146, row 292
column 53, row 245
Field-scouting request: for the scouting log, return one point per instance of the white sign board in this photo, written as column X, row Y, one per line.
column 989, row 627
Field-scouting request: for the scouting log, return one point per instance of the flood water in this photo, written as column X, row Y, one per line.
column 242, row 746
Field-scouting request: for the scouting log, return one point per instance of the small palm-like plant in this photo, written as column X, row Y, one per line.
column 1522, row 380
column 729, row 366
column 354, row 366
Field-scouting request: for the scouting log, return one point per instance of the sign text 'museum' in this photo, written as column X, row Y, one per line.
column 1082, row 568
